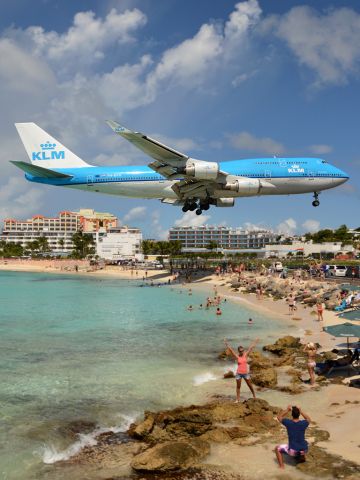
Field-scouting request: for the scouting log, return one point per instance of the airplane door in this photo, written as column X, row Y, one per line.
column 90, row 180
column 268, row 174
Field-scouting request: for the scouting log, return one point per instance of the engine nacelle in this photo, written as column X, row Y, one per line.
column 224, row 202
column 245, row 186
column 201, row 170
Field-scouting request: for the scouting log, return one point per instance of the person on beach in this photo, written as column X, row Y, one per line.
column 310, row 350
column 250, row 321
column 218, row 311
column 242, row 371
column 319, row 311
column 291, row 303
column 297, row 446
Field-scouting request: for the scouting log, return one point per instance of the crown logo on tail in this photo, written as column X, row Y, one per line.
column 47, row 146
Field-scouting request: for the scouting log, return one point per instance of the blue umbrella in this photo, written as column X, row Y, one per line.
column 344, row 330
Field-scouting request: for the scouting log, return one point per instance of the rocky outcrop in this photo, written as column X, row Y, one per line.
column 170, row 456
column 284, row 346
column 179, row 439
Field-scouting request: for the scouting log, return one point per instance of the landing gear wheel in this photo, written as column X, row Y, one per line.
column 204, row 206
column 192, row 207
column 185, row 208
column 198, row 211
column 316, row 202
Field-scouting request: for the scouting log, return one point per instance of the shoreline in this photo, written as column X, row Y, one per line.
column 332, row 407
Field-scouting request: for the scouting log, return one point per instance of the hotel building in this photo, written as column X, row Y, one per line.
column 58, row 230
column 226, row 238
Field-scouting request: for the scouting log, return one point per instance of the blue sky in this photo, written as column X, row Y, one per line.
column 218, row 80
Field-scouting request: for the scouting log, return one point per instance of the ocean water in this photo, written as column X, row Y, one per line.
column 101, row 351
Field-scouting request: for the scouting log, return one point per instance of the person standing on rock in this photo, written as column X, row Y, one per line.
column 310, row 350
column 242, row 371
column 297, row 446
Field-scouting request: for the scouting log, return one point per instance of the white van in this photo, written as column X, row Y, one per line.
column 277, row 267
column 337, row 270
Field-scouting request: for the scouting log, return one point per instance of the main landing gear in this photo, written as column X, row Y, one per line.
column 198, row 207
column 316, row 202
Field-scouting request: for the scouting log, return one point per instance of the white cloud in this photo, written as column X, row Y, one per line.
column 287, row 227
column 243, row 77
column 320, row 149
column 84, row 42
column 14, row 202
column 135, row 214
column 157, row 230
column 190, row 219
column 328, row 43
column 247, row 141
column 311, row 225
column 254, row 226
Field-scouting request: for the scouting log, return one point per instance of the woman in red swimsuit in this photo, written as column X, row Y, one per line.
column 242, row 371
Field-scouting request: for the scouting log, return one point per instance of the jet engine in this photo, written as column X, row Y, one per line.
column 201, row 170
column 224, row 202
column 245, row 186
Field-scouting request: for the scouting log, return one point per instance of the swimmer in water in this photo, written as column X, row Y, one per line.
column 218, row 311
column 250, row 321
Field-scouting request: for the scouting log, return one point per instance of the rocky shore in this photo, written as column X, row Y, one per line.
column 180, row 443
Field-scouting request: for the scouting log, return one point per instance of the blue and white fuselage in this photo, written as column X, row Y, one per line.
column 174, row 177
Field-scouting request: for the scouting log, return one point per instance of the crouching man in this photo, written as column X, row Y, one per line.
column 297, row 446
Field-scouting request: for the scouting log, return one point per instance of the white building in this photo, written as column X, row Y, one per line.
column 119, row 243
column 307, row 249
column 226, row 238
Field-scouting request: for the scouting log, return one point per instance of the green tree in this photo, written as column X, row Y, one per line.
column 212, row 246
column 83, row 245
column 43, row 245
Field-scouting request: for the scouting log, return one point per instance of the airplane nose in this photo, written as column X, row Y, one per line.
column 341, row 177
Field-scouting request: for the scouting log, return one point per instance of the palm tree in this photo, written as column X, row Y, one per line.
column 83, row 245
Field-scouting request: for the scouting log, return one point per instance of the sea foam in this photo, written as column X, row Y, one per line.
column 203, row 378
column 50, row 454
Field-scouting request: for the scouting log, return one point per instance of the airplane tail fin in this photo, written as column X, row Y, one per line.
column 44, row 150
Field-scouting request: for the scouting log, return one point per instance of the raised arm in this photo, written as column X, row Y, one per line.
column 228, row 346
column 305, row 415
column 252, row 346
column 283, row 414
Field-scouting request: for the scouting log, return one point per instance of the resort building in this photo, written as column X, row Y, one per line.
column 225, row 238
column 58, row 230
column 120, row 243
column 92, row 221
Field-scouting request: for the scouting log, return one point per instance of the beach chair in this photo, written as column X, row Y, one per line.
column 325, row 368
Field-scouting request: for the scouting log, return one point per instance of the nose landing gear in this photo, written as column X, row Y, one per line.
column 316, row 201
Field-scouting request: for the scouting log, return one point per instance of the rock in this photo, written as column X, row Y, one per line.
column 284, row 345
column 324, row 464
column 217, row 435
column 170, row 456
column 266, row 377
column 258, row 360
column 143, row 429
column 229, row 374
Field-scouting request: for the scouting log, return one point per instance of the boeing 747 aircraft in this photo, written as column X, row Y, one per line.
column 174, row 177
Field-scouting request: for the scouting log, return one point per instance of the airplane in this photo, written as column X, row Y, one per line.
column 172, row 176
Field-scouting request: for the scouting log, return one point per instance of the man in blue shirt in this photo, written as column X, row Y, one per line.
column 297, row 446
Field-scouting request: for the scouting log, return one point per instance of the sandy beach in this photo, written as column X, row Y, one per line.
column 333, row 407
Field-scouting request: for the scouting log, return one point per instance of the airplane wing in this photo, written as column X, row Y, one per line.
column 166, row 159
column 171, row 164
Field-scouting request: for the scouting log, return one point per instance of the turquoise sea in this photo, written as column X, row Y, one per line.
column 101, row 351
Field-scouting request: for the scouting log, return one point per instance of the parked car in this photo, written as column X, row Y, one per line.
column 277, row 267
column 337, row 270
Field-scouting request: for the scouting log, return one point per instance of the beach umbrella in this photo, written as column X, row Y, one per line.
column 352, row 315
column 344, row 330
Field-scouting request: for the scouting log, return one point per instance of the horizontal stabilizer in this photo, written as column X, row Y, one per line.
column 39, row 171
